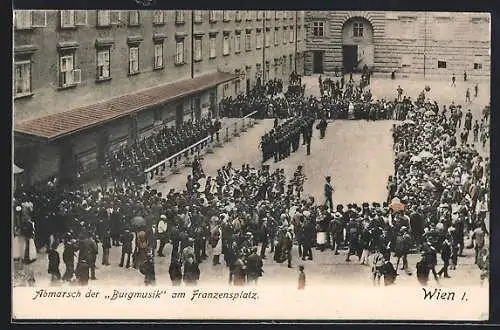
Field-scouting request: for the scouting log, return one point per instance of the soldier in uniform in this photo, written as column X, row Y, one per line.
column 322, row 128
column 276, row 144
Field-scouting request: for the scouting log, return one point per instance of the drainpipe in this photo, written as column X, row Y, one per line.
column 425, row 39
column 296, row 38
column 192, row 44
column 264, row 48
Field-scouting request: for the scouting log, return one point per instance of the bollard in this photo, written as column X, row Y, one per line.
column 243, row 125
column 200, row 156
column 175, row 168
column 163, row 177
column 209, row 147
column 227, row 138
column 236, row 133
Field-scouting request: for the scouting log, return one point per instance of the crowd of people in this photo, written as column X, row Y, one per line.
column 126, row 166
column 437, row 202
column 338, row 100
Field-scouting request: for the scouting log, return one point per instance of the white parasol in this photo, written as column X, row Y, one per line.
column 408, row 122
column 202, row 182
column 425, row 154
column 416, row 159
column 17, row 169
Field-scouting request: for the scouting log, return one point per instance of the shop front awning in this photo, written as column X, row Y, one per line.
column 65, row 123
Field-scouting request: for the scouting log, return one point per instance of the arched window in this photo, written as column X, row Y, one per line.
column 358, row 29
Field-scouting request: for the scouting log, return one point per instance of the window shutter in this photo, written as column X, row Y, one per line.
column 115, row 17
column 80, row 17
column 38, row 18
column 77, row 76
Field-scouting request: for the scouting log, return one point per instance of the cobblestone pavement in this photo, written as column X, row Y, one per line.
column 357, row 154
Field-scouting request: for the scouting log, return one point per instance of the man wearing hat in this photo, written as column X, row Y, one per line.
column 445, row 256
column 254, row 266
column 289, row 244
column 336, row 231
column 308, row 236
column 162, row 234
column 328, row 192
column 402, row 247
column 127, row 248
column 69, row 259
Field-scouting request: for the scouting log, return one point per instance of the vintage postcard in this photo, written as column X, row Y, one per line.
column 251, row 164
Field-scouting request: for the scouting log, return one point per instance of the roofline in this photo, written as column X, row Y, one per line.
column 52, row 138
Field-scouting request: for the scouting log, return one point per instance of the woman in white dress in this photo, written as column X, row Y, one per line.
column 350, row 113
column 26, row 242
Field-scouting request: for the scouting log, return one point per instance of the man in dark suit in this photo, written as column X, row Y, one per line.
column 308, row 237
column 328, row 192
column 88, row 252
column 266, row 236
column 307, row 138
column 445, row 255
column 106, row 245
column 152, row 239
column 127, row 239
column 54, row 261
column 175, row 237
column 254, row 266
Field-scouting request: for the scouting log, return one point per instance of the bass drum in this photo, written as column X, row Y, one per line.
column 321, row 238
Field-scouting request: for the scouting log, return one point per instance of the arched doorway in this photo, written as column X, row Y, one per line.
column 357, row 44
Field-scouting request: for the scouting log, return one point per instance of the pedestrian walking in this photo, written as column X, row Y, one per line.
column 467, row 96
column 127, row 241
column 82, row 272
column 478, row 239
column 453, row 79
column 328, row 192
column 175, row 271
column 148, row 270
column 191, row 272
column 445, row 256
column 400, row 93
column 106, row 246
column 54, row 261
column 475, row 131
column 476, row 89
column 254, row 266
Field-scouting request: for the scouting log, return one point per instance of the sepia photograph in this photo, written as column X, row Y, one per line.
column 250, row 164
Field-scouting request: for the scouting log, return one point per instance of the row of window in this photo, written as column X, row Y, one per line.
column 27, row 19
column 318, row 29
column 441, row 64
column 70, row 75
column 285, row 62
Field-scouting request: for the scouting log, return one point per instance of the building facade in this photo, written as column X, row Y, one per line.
column 88, row 81
column 409, row 43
